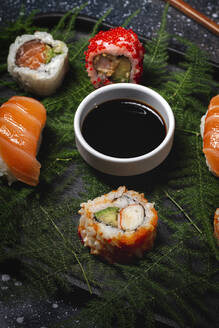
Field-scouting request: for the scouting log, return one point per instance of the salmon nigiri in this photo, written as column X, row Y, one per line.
column 216, row 225
column 21, row 122
column 210, row 134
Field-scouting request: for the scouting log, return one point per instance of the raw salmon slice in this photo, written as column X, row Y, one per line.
column 31, row 54
column 211, row 135
column 21, row 122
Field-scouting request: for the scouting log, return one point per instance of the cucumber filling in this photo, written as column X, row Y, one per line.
column 115, row 68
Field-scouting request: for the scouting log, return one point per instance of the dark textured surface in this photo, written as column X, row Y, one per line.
column 146, row 23
column 38, row 313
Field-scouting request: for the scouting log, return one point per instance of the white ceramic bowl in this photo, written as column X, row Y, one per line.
column 124, row 166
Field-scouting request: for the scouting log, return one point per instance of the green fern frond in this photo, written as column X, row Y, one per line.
column 64, row 30
column 39, row 225
column 61, row 24
column 130, row 18
column 94, row 31
column 156, row 56
column 194, row 78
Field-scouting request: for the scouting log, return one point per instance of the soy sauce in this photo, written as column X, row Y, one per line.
column 123, row 128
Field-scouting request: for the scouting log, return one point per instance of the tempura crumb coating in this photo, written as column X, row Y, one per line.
column 114, row 243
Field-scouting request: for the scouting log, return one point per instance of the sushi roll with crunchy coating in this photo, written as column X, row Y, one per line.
column 119, row 226
column 114, row 56
column 38, row 62
column 210, row 134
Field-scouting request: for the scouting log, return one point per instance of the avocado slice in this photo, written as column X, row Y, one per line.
column 108, row 216
column 51, row 52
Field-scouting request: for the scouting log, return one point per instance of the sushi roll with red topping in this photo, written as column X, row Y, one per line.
column 38, row 62
column 119, row 226
column 114, row 56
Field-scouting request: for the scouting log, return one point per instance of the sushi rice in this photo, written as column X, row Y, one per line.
column 132, row 233
column 45, row 80
column 5, row 171
column 109, row 52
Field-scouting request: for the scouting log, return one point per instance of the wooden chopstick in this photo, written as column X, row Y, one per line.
column 196, row 15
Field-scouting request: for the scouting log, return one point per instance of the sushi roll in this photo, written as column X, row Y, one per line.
column 114, row 56
column 38, row 63
column 210, row 134
column 21, row 122
column 216, row 225
column 119, row 226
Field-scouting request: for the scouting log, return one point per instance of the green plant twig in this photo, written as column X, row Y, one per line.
column 72, row 251
column 183, row 211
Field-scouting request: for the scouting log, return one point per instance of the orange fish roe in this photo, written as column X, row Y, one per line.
column 31, row 54
column 117, row 42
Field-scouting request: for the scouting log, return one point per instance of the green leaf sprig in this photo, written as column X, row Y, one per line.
column 39, row 225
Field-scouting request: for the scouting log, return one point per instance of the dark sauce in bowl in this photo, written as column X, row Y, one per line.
column 123, row 128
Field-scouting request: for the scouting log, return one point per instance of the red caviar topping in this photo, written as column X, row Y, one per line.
column 123, row 39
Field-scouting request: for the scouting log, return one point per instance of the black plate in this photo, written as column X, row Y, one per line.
column 84, row 25
column 83, row 28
